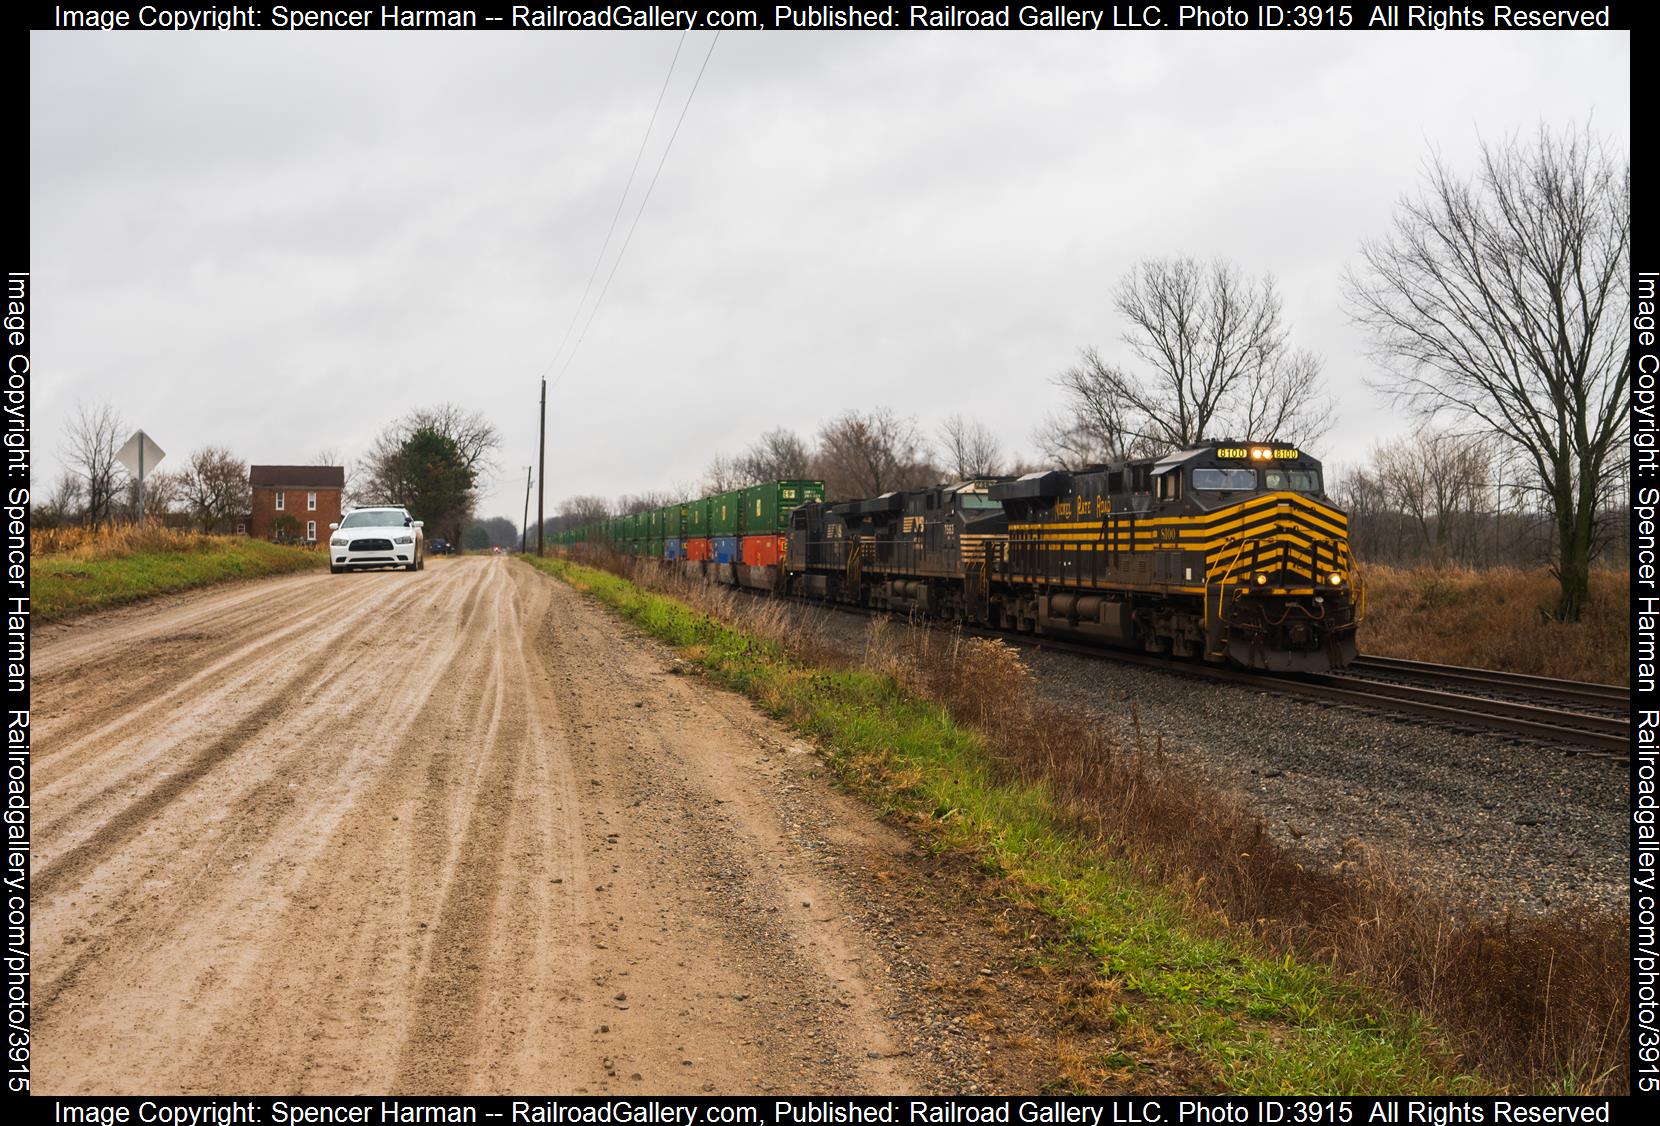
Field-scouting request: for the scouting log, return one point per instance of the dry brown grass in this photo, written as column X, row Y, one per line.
column 1541, row 1004
column 1498, row 619
column 1535, row 1004
column 117, row 541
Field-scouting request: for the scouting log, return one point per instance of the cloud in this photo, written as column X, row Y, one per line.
column 279, row 243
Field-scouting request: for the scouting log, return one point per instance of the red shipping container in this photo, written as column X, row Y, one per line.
column 699, row 550
column 763, row 551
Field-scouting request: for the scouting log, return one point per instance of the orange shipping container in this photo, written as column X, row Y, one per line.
column 698, row 550
column 763, row 551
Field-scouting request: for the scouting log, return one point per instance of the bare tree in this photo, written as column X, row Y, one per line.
column 868, row 454
column 628, row 505
column 1506, row 300
column 63, row 505
column 1070, row 443
column 214, row 488
column 493, row 531
column 1362, row 492
column 581, row 510
column 970, row 449
column 1435, row 477
column 331, row 455
column 1285, row 400
column 780, row 455
column 1214, row 362
column 92, row 438
column 474, row 436
column 1097, row 426
column 162, row 494
column 725, row 474
column 384, row 476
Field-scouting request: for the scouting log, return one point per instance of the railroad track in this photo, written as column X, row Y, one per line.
column 1577, row 692
column 1561, row 722
column 1600, row 736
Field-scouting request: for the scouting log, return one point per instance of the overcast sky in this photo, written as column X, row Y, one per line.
column 279, row 242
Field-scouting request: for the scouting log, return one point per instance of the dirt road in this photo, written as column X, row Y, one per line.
column 459, row 831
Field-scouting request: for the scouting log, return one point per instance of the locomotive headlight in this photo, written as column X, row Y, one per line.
column 1335, row 578
column 1262, row 579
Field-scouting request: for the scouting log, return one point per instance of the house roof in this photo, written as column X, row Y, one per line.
column 298, row 476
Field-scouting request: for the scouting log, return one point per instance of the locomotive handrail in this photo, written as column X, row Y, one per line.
column 1238, row 551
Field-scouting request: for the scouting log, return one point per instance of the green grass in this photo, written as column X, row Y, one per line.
column 1171, row 975
column 62, row 586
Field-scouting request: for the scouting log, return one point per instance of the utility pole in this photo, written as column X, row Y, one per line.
column 541, row 464
column 524, row 525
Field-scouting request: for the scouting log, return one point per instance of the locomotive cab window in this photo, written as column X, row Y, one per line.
column 1297, row 480
column 1170, row 486
column 1232, row 480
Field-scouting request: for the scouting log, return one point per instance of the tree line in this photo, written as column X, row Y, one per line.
column 1437, row 497
column 432, row 461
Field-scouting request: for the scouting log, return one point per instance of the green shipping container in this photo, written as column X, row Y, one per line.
column 674, row 521
column 697, row 519
column 724, row 511
column 767, row 507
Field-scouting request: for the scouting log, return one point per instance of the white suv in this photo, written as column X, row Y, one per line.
column 376, row 537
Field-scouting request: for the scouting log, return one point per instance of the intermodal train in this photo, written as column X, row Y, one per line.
column 1228, row 552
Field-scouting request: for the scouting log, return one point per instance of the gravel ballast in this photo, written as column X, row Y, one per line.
column 1487, row 823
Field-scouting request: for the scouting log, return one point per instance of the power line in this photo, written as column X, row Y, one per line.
column 541, row 432
column 600, row 300
column 627, row 187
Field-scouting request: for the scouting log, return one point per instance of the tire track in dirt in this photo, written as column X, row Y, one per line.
column 357, row 925
column 119, row 826
column 208, row 676
column 139, row 670
column 234, row 862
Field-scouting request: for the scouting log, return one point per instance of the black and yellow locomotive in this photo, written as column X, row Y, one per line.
column 1229, row 551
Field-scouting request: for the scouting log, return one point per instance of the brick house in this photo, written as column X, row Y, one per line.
column 308, row 493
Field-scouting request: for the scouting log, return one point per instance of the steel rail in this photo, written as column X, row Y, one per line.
column 1607, row 736
column 1578, row 691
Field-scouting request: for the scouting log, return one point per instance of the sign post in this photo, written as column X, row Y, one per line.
column 140, row 453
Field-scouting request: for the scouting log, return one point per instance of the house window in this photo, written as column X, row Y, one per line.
column 279, row 500
column 311, row 528
column 311, row 502
column 242, row 529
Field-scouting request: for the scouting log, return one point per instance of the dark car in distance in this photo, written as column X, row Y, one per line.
column 440, row 547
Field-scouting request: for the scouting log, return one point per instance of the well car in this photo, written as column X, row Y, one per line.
column 376, row 537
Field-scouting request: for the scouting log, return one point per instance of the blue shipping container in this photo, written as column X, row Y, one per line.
column 726, row 548
column 672, row 551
